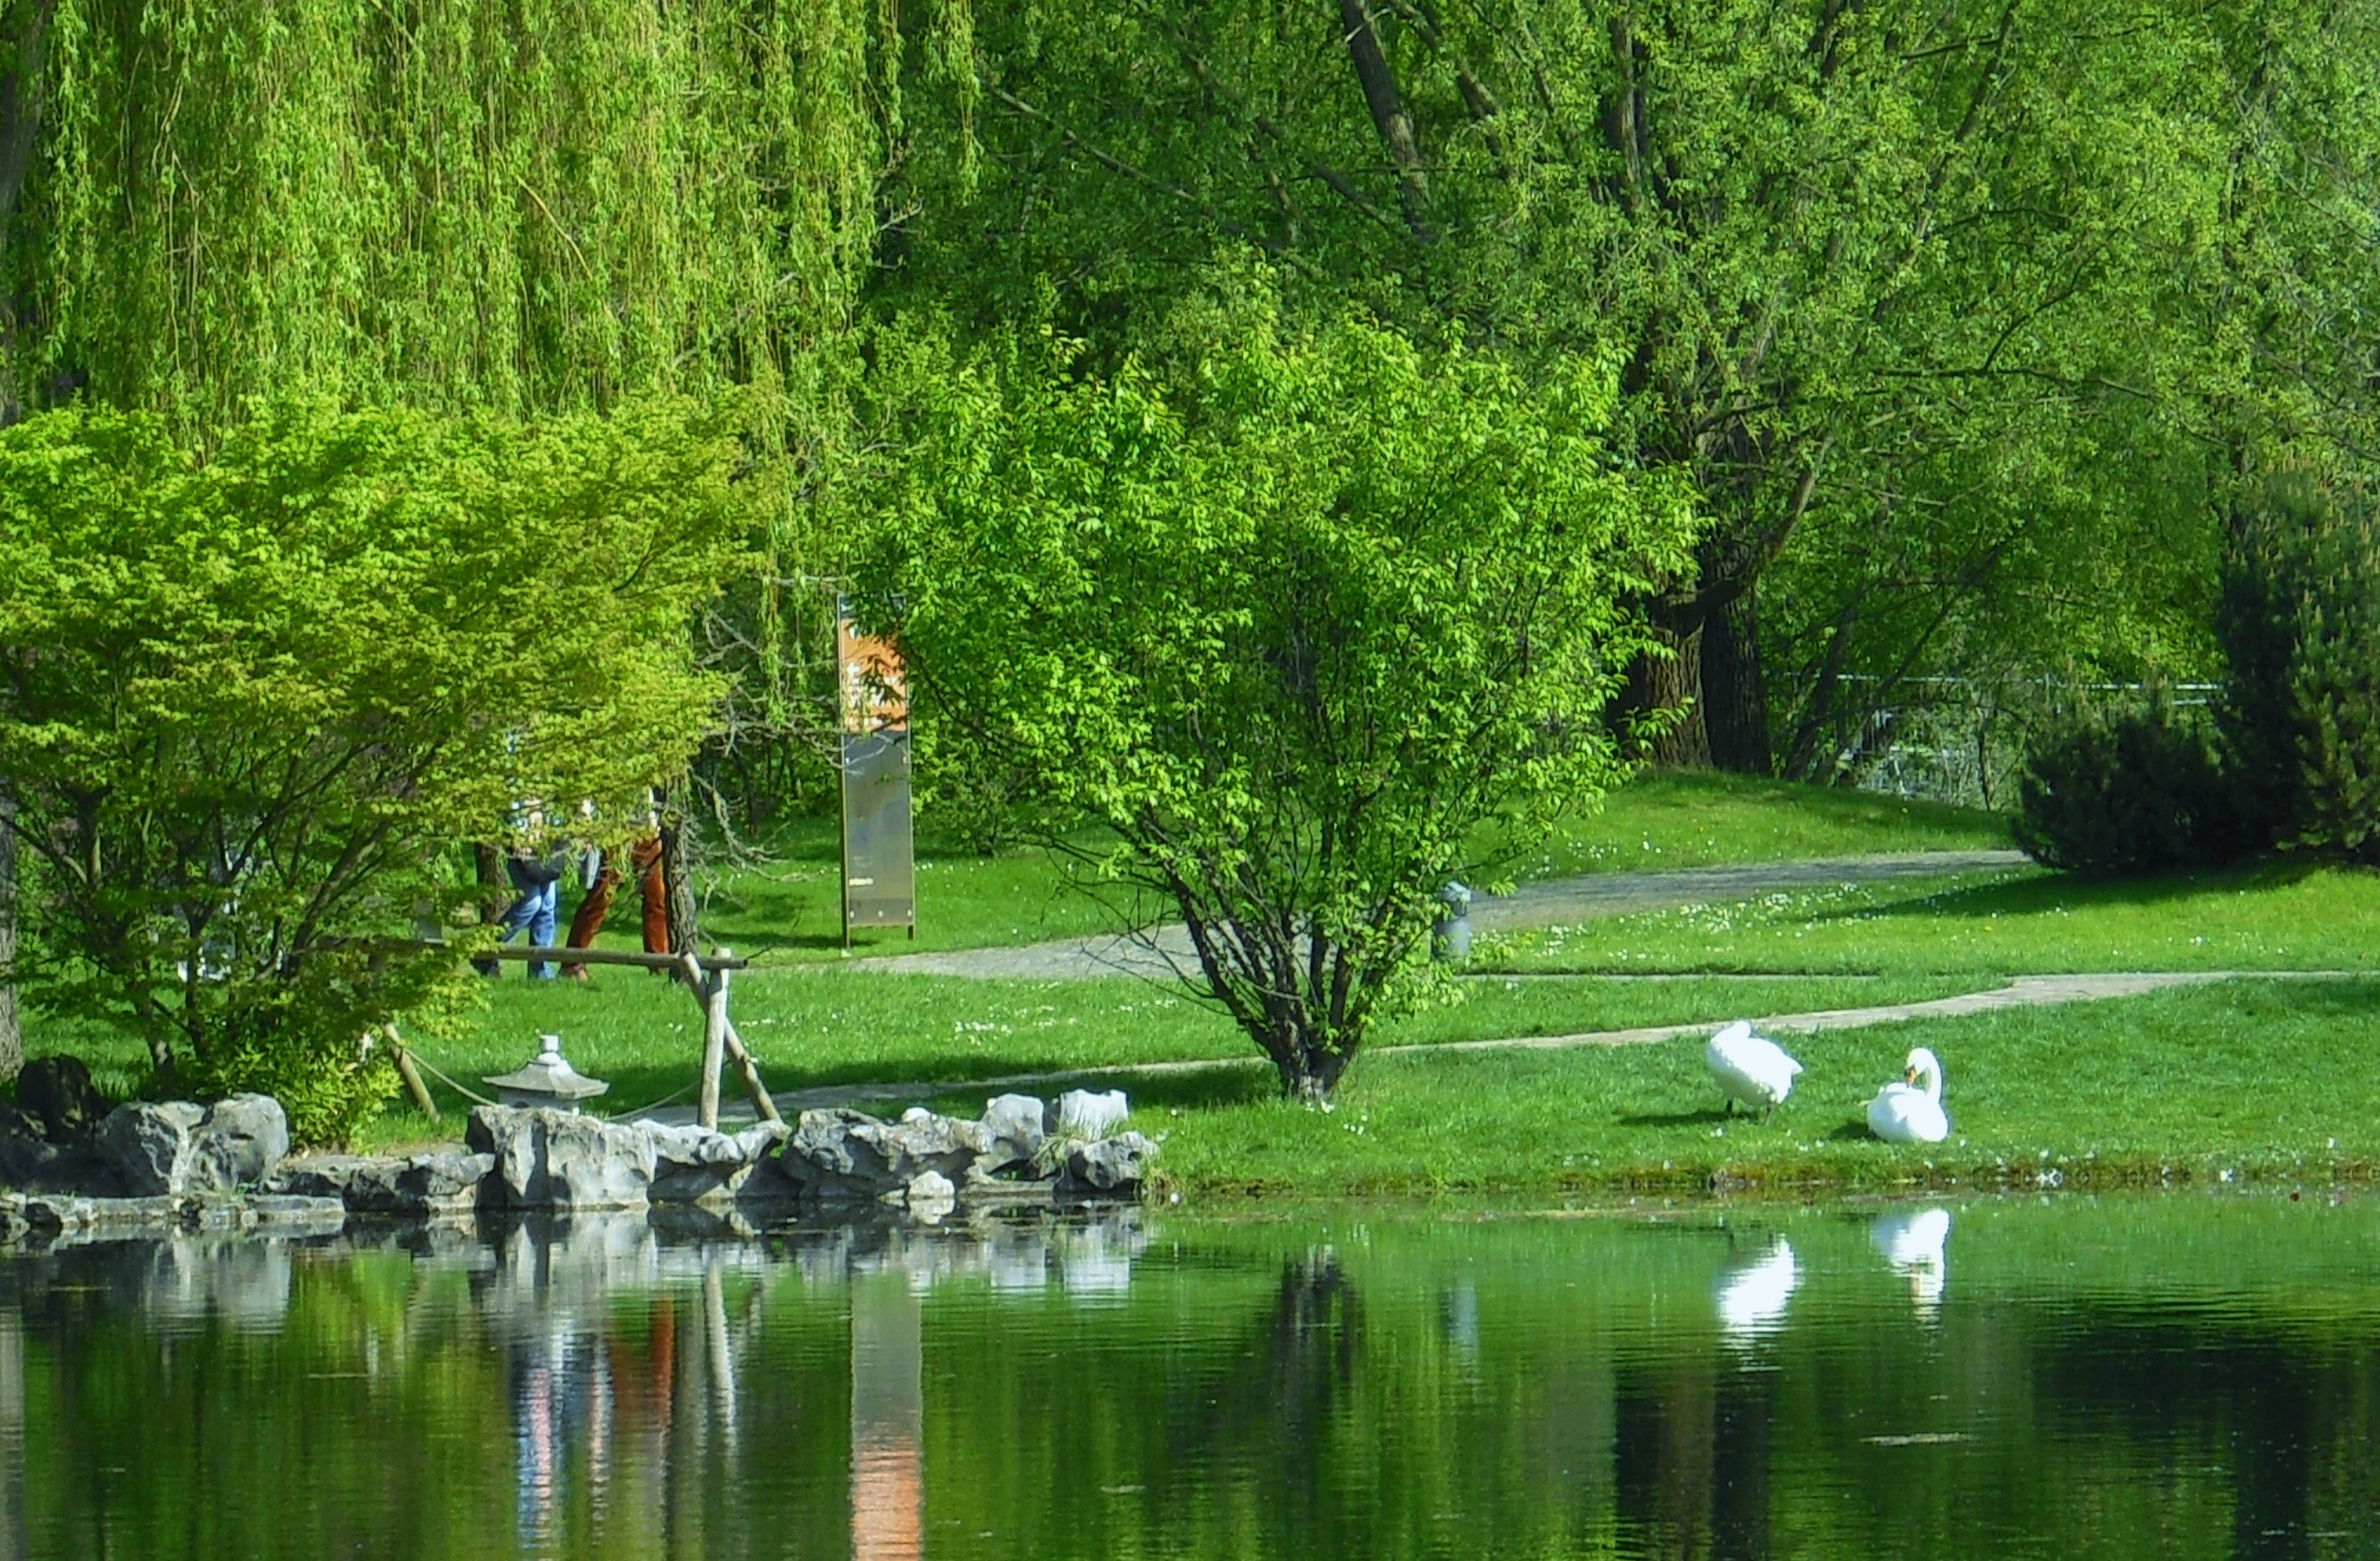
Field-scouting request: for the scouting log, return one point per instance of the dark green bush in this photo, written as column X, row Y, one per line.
column 2128, row 787
column 2298, row 616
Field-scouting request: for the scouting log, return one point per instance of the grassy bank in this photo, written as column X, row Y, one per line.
column 2256, row 1079
column 811, row 1031
column 2247, row 1080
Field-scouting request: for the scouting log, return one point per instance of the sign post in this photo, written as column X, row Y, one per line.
column 878, row 832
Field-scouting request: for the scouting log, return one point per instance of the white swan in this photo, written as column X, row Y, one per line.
column 1912, row 1244
column 1905, row 1113
column 1750, row 1299
column 1749, row 1067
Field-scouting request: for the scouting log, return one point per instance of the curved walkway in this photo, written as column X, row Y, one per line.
column 2023, row 991
column 1548, row 902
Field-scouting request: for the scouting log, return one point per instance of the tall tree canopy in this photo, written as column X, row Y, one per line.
column 510, row 207
column 1935, row 298
column 522, row 205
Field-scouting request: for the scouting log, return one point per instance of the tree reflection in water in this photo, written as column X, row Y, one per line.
column 2174, row 1378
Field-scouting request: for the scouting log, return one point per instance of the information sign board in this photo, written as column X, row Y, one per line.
column 878, row 829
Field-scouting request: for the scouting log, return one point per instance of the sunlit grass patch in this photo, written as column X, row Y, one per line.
column 1693, row 818
column 2244, row 1080
column 2282, row 915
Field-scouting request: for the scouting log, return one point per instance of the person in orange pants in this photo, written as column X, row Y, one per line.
column 645, row 862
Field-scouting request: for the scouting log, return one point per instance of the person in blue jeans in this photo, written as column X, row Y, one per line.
column 534, row 880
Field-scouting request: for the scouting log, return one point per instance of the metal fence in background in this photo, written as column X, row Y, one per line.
column 1962, row 740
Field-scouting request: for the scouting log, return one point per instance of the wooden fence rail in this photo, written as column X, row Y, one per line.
column 706, row 976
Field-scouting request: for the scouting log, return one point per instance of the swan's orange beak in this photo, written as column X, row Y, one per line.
column 1909, row 1075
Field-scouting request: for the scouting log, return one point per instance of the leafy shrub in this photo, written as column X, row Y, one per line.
column 1291, row 624
column 2298, row 621
column 2126, row 788
column 249, row 699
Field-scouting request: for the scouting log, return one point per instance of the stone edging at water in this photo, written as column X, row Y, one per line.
column 147, row 1166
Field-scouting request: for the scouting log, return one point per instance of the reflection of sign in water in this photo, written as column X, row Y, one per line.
column 878, row 836
column 888, row 1414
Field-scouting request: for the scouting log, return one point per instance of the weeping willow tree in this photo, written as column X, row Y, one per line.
column 519, row 206
column 515, row 206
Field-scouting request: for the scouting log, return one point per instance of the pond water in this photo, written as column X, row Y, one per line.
column 2123, row 1377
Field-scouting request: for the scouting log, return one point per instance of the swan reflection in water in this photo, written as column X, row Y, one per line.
column 1751, row 1294
column 1911, row 1242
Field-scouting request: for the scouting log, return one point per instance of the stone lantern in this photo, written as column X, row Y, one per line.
column 545, row 1080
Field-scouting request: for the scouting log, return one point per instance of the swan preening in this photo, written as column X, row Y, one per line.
column 1910, row 1111
column 1749, row 1067
column 1751, row 1298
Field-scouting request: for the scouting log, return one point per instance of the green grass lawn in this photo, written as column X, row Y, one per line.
column 789, row 912
column 2288, row 915
column 2258, row 1079
column 809, row 1030
column 1699, row 819
column 2244, row 1080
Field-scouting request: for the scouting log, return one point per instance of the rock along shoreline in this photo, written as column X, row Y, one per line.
column 144, row 1168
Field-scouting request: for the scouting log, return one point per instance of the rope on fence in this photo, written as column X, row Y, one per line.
column 473, row 1095
column 450, row 1083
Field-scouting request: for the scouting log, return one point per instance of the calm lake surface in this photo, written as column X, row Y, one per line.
column 2182, row 1375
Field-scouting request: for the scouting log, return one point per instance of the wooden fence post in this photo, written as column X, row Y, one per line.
column 715, row 1045
column 410, row 1074
column 762, row 1101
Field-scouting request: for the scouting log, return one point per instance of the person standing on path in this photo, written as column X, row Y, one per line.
column 645, row 863
column 533, row 879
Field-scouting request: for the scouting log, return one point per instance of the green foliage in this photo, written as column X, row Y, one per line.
column 2300, row 625
column 1933, row 303
column 2126, row 786
column 1291, row 624
column 525, row 207
column 521, row 208
column 248, row 701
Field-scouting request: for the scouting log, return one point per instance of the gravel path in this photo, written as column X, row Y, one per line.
column 2023, row 991
column 1550, row 903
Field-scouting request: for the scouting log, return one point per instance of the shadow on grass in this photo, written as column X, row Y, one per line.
column 1207, row 1089
column 1682, row 1119
column 2350, row 999
column 2034, row 895
column 1220, row 1088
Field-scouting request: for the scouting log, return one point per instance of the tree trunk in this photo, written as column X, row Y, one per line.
column 1308, row 1070
column 12, row 1036
column 1671, row 686
column 677, row 878
column 1735, row 689
column 1387, row 110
